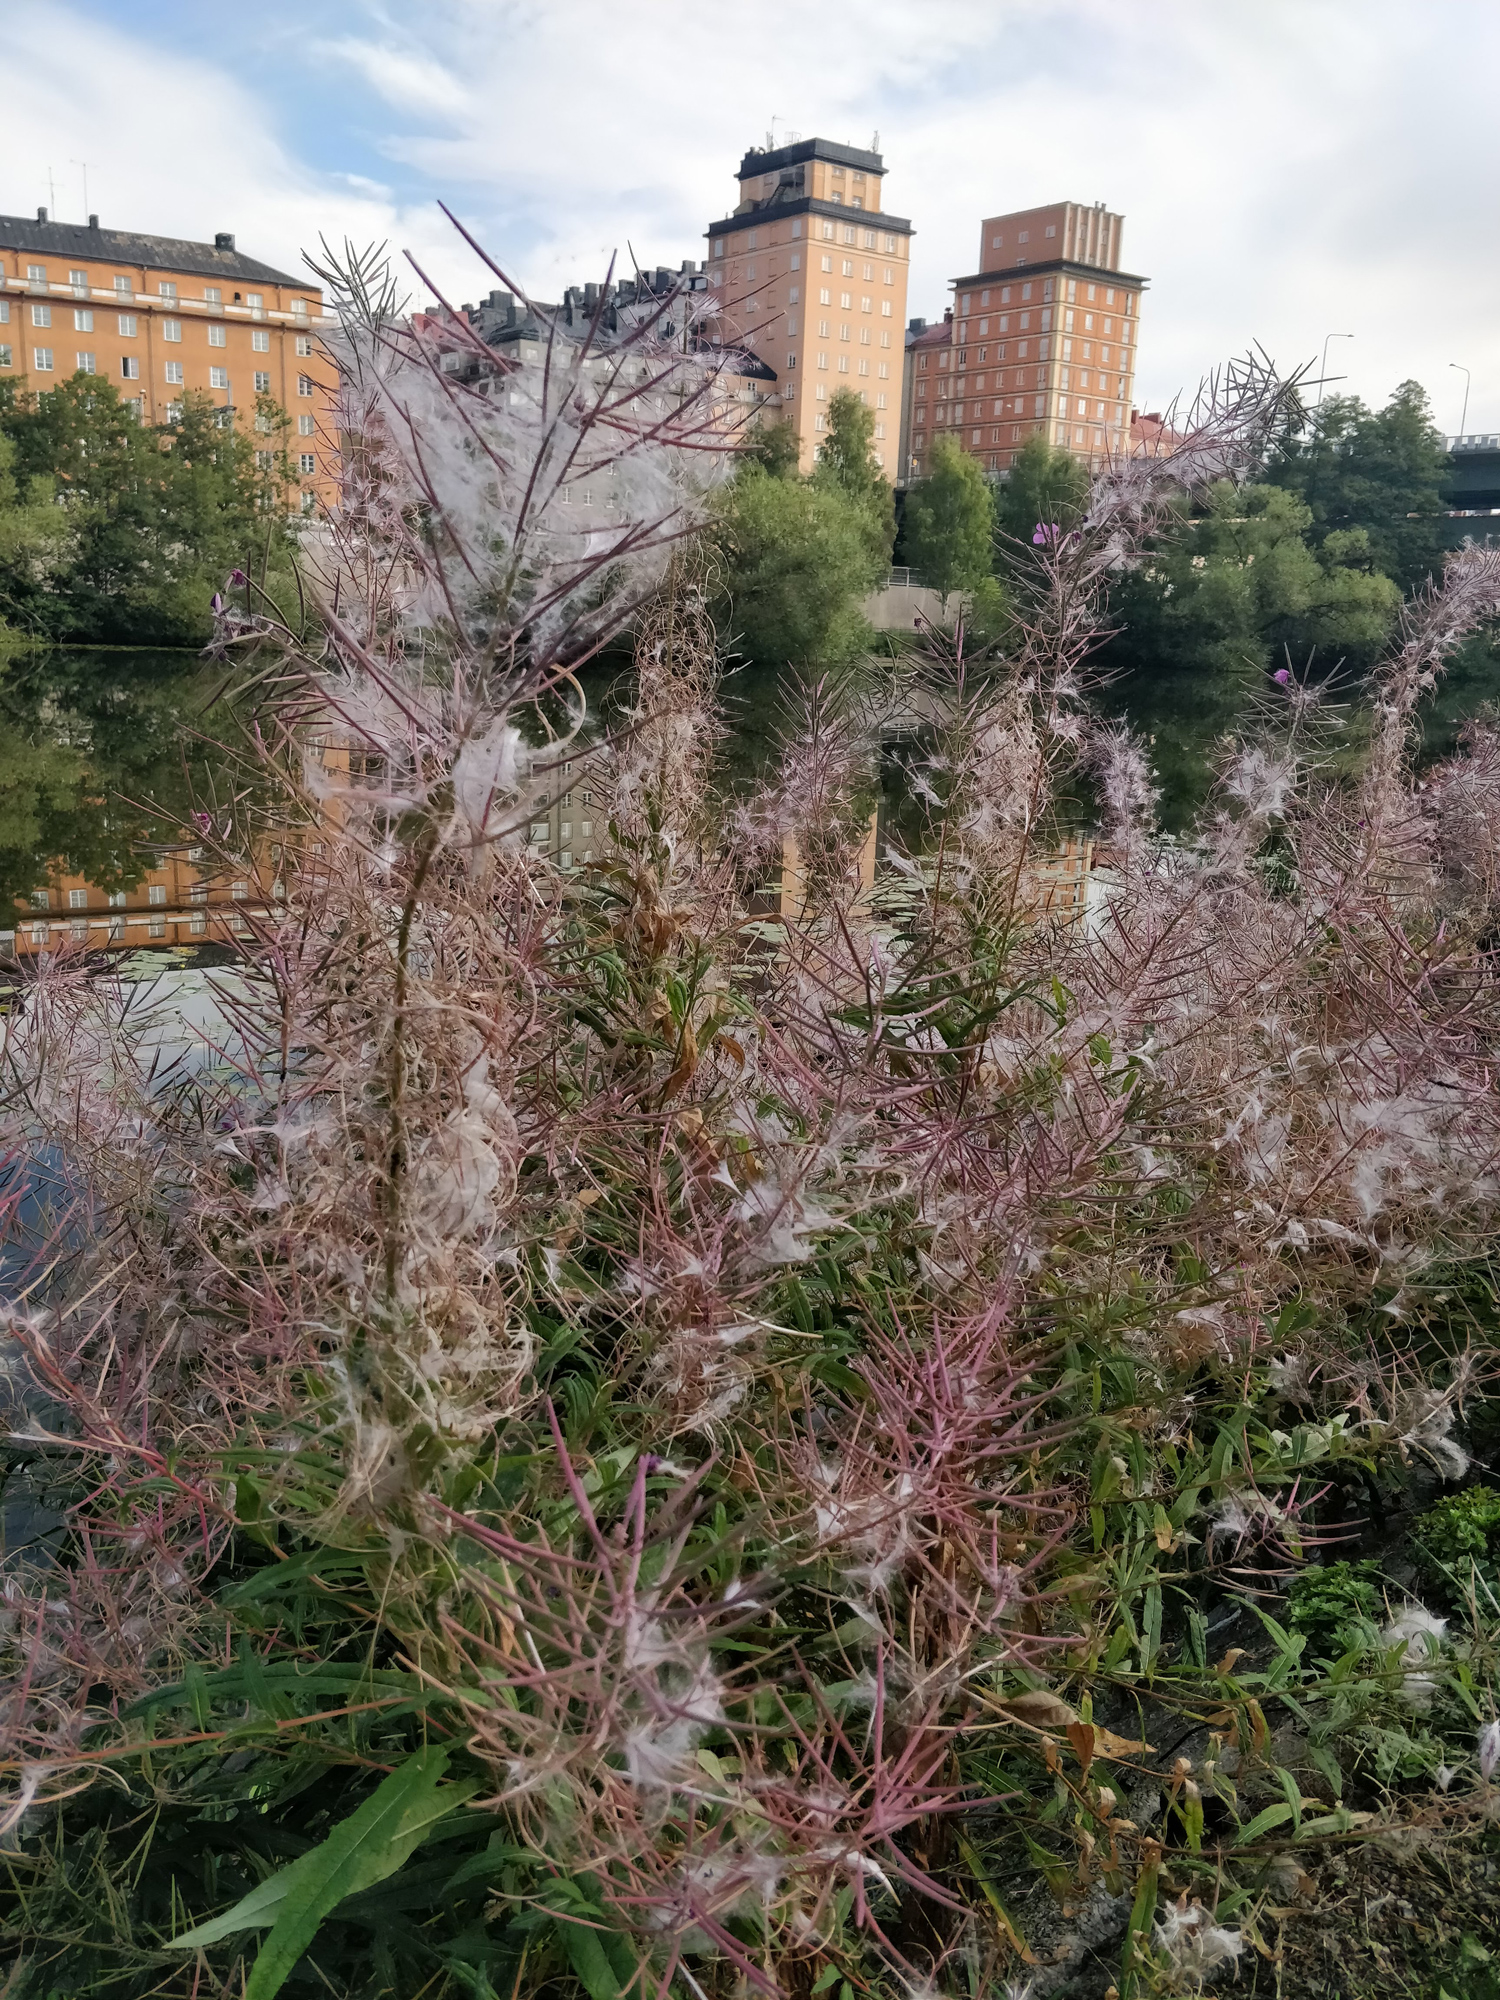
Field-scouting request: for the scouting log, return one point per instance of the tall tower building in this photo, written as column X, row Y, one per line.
column 1043, row 338
column 808, row 275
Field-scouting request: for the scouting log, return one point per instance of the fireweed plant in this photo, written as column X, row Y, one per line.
column 594, row 1441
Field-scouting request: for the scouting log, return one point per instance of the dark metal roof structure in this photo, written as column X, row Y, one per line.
column 218, row 259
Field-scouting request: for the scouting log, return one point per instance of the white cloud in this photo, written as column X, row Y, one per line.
column 1287, row 168
column 405, row 78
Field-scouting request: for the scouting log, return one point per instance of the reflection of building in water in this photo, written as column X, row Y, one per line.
column 180, row 900
column 189, row 896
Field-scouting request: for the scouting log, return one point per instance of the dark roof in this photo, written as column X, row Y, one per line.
column 869, row 218
column 154, row 253
column 759, row 161
column 938, row 335
column 1014, row 274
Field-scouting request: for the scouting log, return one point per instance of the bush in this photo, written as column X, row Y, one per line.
column 599, row 1438
column 1337, row 1605
column 1458, row 1544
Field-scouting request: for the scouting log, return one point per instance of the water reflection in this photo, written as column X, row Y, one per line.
column 104, row 756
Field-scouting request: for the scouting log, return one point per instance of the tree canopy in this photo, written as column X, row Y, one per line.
column 950, row 521
column 799, row 556
column 116, row 532
column 1376, row 470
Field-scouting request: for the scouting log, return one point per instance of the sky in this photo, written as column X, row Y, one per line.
column 1287, row 169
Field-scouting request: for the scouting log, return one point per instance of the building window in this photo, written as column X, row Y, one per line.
column 130, row 368
column 41, row 315
column 156, row 894
column 264, row 460
column 7, row 355
column 127, row 326
column 304, row 346
column 260, row 340
column 124, row 285
column 78, row 931
column 4, row 312
column 42, row 360
column 166, row 288
column 218, row 378
column 822, row 360
column 257, row 304
column 171, row 329
column 216, row 336
column 86, row 362
column 116, row 899
column 212, row 296
column 41, row 899
column 157, row 927
column 83, row 320
column 198, row 925
column 174, row 371
column 262, row 382
column 174, row 413
column 36, row 274
column 719, row 246
column 309, row 503
column 307, row 426
column 198, row 891
column 307, row 462
column 304, row 385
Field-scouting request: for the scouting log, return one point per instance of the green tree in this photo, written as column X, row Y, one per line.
column 1221, row 602
column 950, row 521
column 847, row 462
column 775, row 448
column 798, row 562
column 153, row 518
column 1046, row 487
column 1378, row 470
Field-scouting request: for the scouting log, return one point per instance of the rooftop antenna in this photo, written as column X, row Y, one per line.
column 875, row 141
column 85, row 165
column 51, row 194
column 771, row 134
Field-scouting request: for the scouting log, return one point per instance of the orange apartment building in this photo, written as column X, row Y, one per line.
column 157, row 316
column 1042, row 337
column 809, row 276
column 178, row 901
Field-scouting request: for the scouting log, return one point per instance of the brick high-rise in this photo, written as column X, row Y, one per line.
column 1043, row 338
column 809, row 275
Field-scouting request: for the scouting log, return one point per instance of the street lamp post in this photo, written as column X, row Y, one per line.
column 1465, row 373
column 1323, row 364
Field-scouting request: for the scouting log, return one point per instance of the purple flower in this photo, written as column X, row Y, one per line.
column 238, row 579
column 216, row 603
column 1281, row 676
column 1043, row 533
column 203, row 823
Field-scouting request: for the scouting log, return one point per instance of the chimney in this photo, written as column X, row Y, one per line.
column 93, row 222
column 223, row 240
column 41, row 215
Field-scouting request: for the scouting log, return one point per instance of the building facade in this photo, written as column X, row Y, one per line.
column 1042, row 338
column 158, row 317
column 809, row 277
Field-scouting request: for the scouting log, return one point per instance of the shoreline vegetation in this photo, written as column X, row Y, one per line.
column 580, row 1440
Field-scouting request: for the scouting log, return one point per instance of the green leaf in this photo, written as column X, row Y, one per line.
column 362, row 1850
column 1262, row 1823
column 603, row 1960
column 586, row 1955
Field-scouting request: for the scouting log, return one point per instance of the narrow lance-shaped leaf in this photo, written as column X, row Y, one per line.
column 362, row 1850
